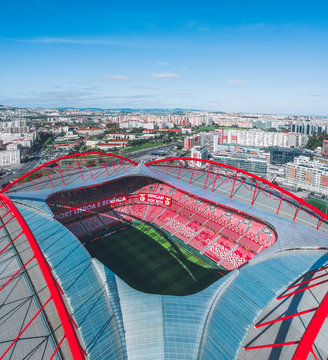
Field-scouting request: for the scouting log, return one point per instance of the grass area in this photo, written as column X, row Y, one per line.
column 143, row 146
column 169, row 245
column 149, row 262
column 319, row 204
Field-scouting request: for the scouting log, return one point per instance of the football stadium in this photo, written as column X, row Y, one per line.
column 102, row 257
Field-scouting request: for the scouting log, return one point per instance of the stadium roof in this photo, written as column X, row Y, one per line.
column 94, row 314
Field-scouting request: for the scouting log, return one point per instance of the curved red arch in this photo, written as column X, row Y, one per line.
column 305, row 346
column 62, row 158
column 282, row 190
column 70, row 334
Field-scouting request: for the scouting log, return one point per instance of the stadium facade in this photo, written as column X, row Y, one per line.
column 57, row 301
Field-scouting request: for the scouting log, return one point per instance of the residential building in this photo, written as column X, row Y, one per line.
column 307, row 174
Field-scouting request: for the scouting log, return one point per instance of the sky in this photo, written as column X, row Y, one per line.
column 235, row 56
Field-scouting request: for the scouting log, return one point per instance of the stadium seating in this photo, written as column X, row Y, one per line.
column 225, row 217
column 186, row 212
column 254, row 228
column 209, row 211
column 110, row 218
column 138, row 211
column 189, row 202
column 203, row 207
column 264, row 238
column 163, row 218
column 92, row 223
column 162, row 189
column 201, row 240
column 219, row 249
column 187, row 232
column 214, row 226
column 236, row 258
column 178, row 196
column 218, row 212
column 175, row 207
column 175, row 224
column 199, row 218
column 250, row 244
column 230, row 234
column 153, row 212
column 77, row 228
column 123, row 211
column 236, row 219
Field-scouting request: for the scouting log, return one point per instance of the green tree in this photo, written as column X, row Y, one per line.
column 316, row 140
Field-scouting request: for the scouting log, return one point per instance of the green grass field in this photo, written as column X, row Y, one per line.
column 149, row 262
column 319, row 204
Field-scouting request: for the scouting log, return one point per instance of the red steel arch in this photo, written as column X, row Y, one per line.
column 237, row 171
column 50, row 168
column 76, row 349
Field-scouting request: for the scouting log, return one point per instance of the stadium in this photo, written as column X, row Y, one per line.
column 106, row 258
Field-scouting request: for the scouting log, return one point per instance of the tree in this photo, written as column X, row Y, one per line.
column 316, row 140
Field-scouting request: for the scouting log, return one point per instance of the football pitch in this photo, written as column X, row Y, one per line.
column 150, row 262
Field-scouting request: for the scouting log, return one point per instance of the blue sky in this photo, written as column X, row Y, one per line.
column 248, row 56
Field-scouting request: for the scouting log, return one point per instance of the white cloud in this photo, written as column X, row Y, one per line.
column 237, row 81
column 165, row 76
column 317, row 95
column 116, row 77
column 162, row 63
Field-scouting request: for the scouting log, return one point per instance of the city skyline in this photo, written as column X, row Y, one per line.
column 220, row 57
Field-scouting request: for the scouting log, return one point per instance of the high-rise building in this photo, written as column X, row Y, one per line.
column 199, row 152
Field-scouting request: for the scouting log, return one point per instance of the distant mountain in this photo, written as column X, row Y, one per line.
column 176, row 110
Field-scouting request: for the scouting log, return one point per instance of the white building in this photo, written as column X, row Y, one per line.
column 131, row 124
column 260, row 138
column 90, row 131
column 121, row 135
column 9, row 157
column 26, row 139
